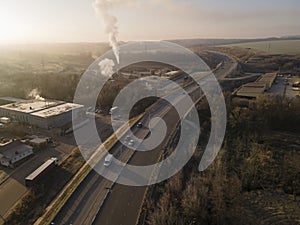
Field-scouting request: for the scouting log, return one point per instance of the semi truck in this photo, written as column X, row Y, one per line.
column 35, row 176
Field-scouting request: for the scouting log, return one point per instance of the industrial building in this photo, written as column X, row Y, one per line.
column 259, row 87
column 14, row 152
column 268, row 79
column 251, row 90
column 44, row 114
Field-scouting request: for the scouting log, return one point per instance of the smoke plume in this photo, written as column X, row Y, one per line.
column 36, row 95
column 103, row 9
column 106, row 67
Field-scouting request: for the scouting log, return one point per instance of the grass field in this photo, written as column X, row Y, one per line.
column 291, row 47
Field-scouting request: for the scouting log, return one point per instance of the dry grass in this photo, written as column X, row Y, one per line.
column 3, row 175
column 290, row 47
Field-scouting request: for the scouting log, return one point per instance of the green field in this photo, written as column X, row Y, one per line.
column 291, row 47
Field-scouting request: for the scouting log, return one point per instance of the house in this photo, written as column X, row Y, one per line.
column 13, row 152
column 39, row 142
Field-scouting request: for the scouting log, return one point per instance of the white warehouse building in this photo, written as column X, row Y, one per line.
column 44, row 114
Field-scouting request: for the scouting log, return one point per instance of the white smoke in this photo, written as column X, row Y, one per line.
column 103, row 9
column 106, row 67
column 36, row 95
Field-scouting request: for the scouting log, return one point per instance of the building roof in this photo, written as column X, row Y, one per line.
column 31, row 106
column 38, row 141
column 268, row 78
column 11, row 99
column 251, row 90
column 57, row 110
column 12, row 149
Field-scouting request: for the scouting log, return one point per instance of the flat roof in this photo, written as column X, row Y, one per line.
column 38, row 140
column 31, row 106
column 56, row 110
column 268, row 77
column 255, row 85
column 39, row 170
column 11, row 99
column 251, row 91
column 12, row 149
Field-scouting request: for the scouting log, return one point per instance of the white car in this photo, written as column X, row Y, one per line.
column 108, row 159
column 131, row 143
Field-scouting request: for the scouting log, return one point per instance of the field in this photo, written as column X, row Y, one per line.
column 290, row 47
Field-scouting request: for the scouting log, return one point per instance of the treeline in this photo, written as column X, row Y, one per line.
column 250, row 160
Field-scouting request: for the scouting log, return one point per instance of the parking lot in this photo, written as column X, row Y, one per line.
column 284, row 86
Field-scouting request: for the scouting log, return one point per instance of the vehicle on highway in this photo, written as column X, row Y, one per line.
column 127, row 138
column 108, row 159
column 139, row 125
column 112, row 110
column 186, row 77
column 131, row 142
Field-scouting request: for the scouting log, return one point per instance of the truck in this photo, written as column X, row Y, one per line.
column 37, row 174
column 112, row 110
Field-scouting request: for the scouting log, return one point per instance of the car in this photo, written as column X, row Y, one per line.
column 139, row 125
column 186, row 77
column 127, row 138
column 108, row 159
column 131, row 143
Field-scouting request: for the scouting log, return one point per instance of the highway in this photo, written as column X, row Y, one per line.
column 101, row 202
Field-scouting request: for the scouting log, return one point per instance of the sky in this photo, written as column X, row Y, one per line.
column 33, row 21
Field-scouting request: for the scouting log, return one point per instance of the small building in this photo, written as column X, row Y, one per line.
column 39, row 142
column 13, row 152
column 40, row 171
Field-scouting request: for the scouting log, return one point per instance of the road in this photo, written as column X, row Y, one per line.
column 121, row 204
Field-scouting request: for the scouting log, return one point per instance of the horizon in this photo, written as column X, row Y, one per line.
column 34, row 22
column 267, row 38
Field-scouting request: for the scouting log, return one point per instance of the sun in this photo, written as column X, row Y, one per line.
column 11, row 27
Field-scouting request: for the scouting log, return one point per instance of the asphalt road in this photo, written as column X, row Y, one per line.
column 84, row 204
column 122, row 203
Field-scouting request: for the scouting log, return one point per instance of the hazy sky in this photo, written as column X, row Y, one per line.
column 76, row 21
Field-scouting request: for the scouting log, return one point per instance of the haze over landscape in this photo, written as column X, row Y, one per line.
column 149, row 112
column 74, row 21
